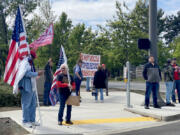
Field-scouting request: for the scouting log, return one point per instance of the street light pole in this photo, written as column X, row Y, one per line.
column 153, row 38
column 153, row 28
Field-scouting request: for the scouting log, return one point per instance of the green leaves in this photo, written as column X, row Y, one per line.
column 116, row 42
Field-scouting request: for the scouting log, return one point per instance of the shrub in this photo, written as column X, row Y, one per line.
column 7, row 98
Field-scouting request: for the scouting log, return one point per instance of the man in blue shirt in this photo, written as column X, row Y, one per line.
column 78, row 76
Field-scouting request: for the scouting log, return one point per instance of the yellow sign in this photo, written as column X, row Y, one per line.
column 125, row 80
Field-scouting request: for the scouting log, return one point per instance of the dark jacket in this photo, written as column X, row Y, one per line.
column 106, row 72
column 168, row 73
column 99, row 79
column 62, row 84
column 48, row 74
column 152, row 73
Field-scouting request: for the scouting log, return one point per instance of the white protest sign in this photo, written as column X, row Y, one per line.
column 90, row 64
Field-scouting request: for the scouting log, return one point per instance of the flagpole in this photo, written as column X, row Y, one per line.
column 39, row 108
column 67, row 66
column 37, row 98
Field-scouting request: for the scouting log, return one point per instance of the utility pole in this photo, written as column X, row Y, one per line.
column 153, row 28
column 153, row 38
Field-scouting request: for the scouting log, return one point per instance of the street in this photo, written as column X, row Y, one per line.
column 167, row 129
column 133, row 85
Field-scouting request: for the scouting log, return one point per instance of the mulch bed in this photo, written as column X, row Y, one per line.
column 10, row 127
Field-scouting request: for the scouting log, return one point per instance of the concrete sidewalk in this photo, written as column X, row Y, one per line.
column 166, row 113
column 97, row 118
column 90, row 117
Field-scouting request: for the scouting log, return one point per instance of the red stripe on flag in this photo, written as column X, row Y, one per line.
column 54, row 81
column 14, row 78
column 23, row 46
column 12, row 66
column 23, row 54
column 22, row 38
column 53, row 87
column 13, row 43
column 57, row 72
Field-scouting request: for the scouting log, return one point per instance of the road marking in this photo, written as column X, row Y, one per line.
column 113, row 120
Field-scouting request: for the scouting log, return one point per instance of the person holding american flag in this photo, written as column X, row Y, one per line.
column 20, row 71
column 27, row 86
column 65, row 88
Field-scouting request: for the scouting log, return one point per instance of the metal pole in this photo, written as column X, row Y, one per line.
column 153, row 37
column 40, row 118
column 90, row 85
column 153, row 28
column 128, row 84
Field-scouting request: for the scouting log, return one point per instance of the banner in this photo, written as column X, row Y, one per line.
column 90, row 64
column 45, row 39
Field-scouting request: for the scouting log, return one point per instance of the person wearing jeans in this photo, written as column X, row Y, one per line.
column 154, row 88
column 101, row 95
column 48, row 81
column 64, row 92
column 99, row 83
column 62, row 99
column 168, row 78
column 88, row 83
column 106, row 72
column 78, row 76
column 27, row 87
column 176, row 83
column 152, row 75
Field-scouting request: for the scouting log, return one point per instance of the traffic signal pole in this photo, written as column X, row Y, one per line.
column 153, row 29
column 153, row 38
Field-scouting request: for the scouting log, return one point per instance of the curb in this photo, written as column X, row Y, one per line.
column 159, row 117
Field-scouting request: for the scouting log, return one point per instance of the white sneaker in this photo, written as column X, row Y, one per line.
column 35, row 124
column 96, row 101
column 27, row 125
column 102, row 101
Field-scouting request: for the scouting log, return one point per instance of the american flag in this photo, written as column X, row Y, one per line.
column 54, row 93
column 18, row 49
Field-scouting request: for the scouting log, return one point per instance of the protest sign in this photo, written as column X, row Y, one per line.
column 90, row 64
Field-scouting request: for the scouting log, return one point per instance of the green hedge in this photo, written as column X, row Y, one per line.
column 7, row 98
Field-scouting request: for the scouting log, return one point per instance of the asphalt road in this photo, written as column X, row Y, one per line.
column 169, row 129
column 133, row 85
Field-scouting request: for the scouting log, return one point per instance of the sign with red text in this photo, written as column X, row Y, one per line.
column 90, row 64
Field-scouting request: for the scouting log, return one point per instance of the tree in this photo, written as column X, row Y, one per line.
column 8, row 8
column 172, row 27
column 75, row 44
column 176, row 45
column 125, row 30
column 62, row 30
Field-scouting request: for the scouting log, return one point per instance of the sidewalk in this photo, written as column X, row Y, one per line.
column 166, row 113
column 97, row 118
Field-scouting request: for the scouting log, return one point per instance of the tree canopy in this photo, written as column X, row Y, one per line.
column 116, row 42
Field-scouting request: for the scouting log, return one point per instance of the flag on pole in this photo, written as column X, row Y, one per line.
column 45, row 39
column 54, row 93
column 18, row 50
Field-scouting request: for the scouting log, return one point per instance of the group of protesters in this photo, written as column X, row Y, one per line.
column 66, row 84
column 152, row 75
